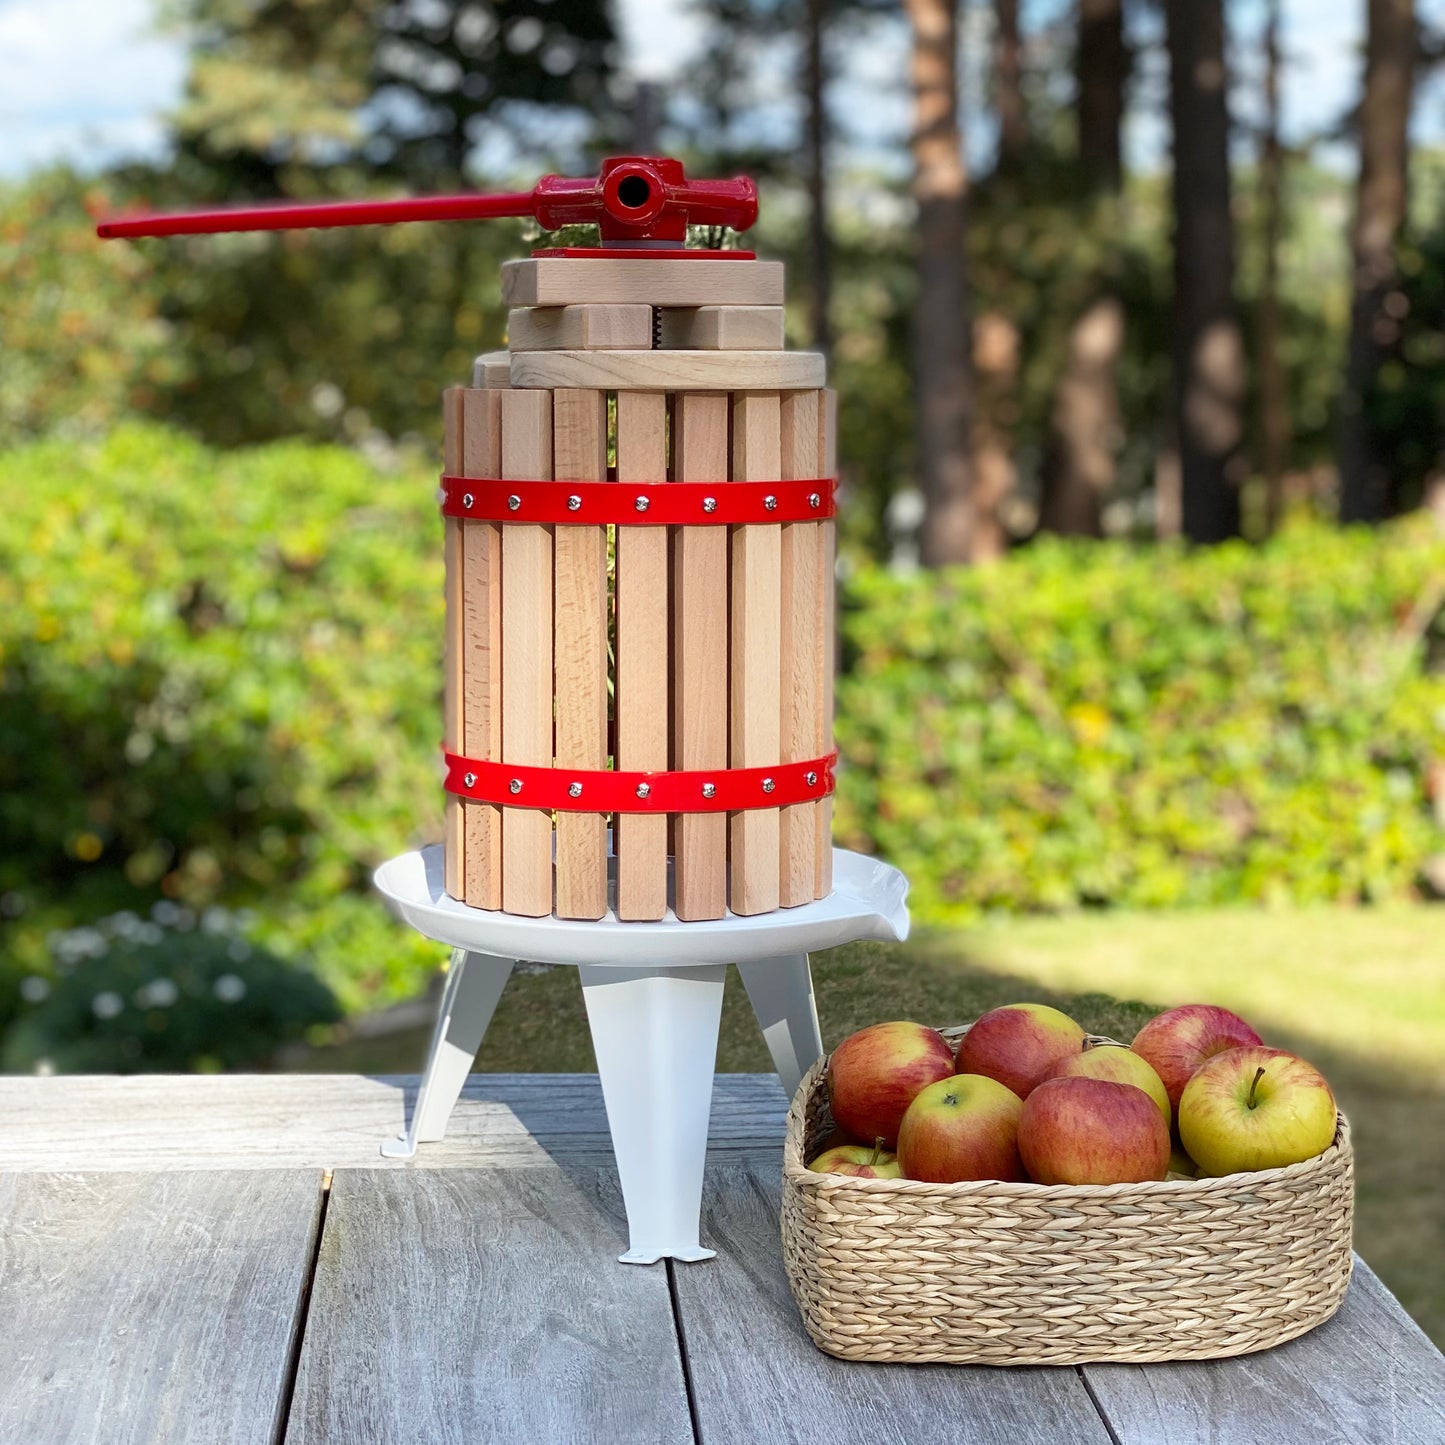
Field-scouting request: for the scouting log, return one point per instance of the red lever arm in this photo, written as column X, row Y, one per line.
column 634, row 198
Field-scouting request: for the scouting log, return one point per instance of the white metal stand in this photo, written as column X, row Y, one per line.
column 654, row 999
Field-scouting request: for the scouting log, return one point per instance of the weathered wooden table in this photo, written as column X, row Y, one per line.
column 227, row 1260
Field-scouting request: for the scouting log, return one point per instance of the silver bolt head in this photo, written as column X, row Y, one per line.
column 574, row 790
column 515, row 786
column 814, row 500
column 768, row 785
column 514, row 503
column 811, row 778
column 709, row 504
column 770, row 502
column 468, row 501
column 469, row 780
column 709, row 790
column 574, row 503
column 642, row 504
column 643, row 789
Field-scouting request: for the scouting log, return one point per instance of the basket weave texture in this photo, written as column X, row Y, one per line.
column 1035, row 1274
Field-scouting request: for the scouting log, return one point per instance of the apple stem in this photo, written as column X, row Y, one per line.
column 1254, row 1084
column 877, row 1151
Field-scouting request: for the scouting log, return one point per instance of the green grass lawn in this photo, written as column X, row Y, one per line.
column 1362, row 994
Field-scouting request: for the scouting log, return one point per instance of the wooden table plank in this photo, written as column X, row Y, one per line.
column 1366, row 1377
column 154, row 1308
column 483, row 1305
column 757, row 1377
column 270, row 1121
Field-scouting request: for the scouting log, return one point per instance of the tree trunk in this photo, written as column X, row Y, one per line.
column 1102, row 68
column 1208, row 347
column 1274, row 413
column 819, row 251
column 951, row 528
column 1365, row 491
column 1008, row 76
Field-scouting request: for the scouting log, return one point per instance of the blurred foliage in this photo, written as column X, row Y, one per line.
column 1096, row 724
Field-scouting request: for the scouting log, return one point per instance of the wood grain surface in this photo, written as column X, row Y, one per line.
column 587, row 328
column 567, row 281
column 669, row 370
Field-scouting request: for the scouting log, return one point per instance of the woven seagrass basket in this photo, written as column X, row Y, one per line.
column 1035, row 1274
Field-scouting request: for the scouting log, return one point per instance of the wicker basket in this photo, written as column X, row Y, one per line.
column 1034, row 1274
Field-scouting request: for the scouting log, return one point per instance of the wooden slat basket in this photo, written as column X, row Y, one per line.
column 686, row 650
column 1032, row 1274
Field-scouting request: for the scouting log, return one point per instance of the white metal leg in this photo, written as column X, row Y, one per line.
column 474, row 984
column 655, row 1031
column 781, row 993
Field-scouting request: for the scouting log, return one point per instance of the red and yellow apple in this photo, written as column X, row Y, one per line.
column 1176, row 1042
column 875, row 1074
column 1256, row 1108
column 1018, row 1044
column 1092, row 1131
column 1119, row 1066
column 860, row 1160
column 965, row 1127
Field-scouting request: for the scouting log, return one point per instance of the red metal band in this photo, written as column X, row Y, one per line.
column 643, row 253
column 639, row 504
column 583, row 790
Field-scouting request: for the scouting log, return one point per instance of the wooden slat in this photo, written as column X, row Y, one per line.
column 483, row 1306
column 454, row 727
column 527, row 656
column 700, row 652
column 755, row 625
column 828, row 631
column 482, row 647
column 566, row 281
column 661, row 370
column 586, row 328
column 757, row 1377
column 579, row 442
column 492, row 368
column 723, row 328
column 641, row 642
column 801, row 642
column 151, row 1307
column 1367, row 1376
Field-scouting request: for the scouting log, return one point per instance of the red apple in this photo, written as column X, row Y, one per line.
column 1177, row 1041
column 875, row 1074
column 965, row 1127
column 1092, row 1131
column 1256, row 1108
column 859, row 1160
column 1018, row 1044
column 1119, row 1066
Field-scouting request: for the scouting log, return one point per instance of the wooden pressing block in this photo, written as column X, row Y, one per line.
column 579, row 451
column 723, row 328
column 570, row 281
column 492, row 368
column 482, row 646
column 756, row 605
column 527, row 656
column 670, row 370
column 453, row 711
column 641, row 639
column 583, row 328
column 827, row 631
column 801, row 641
column 700, row 654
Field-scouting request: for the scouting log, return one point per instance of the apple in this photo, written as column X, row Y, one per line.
column 1182, row 1165
column 875, row 1074
column 1119, row 1066
column 1256, row 1108
column 1177, row 1041
column 858, row 1160
column 1018, row 1044
column 1092, row 1131
column 964, row 1127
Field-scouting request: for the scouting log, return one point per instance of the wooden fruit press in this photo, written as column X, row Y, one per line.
column 639, row 500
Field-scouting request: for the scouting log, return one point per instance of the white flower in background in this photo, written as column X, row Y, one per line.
column 106, row 1005
column 165, row 913
column 215, row 920
column 35, row 989
column 150, row 934
column 158, row 993
column 45, row 1067
column 229, row 988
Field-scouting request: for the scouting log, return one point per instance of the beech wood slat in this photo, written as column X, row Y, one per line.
column 579, row 443
column 566, row 281
column 527, row 656
column 756, row 605
column 454, row 725
column 492, row 368
column 482, row 647
column 700, row 651
column 587, row 328
column 641, row 642
column 827, row 631
column 801, row 641
column 670, row 370
column 723, row 328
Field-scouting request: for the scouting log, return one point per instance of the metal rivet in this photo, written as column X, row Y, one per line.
column 643, row 790
column 514, row 503
column 811, row 778
column 574, row 503
column 709, row 790
column 642, row 504
column 709, row 504
column 574, row 790
column 814, row 500
column 515, row 785
column 771, row 503
column 768, row 785
column 469, row 780
column 468, row 501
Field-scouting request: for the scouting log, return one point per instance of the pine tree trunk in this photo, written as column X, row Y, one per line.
column 1208, row 346
column 951, row 531
column 1390, row 52
column 1008, row 73
column 1102, row 70
column 1275, row 430
column 819, row 248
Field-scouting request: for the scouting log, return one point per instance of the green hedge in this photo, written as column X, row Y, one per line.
column 1095, row 724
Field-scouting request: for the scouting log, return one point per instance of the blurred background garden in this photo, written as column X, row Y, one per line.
column 1137, row 314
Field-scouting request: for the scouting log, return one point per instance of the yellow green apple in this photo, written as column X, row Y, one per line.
column 875, row 1074
column 965, row 1127
column 1177, row 1041
column 859, row 1160
column 1092, row 1131
column 1119, row 1066
column 1018, row 1044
